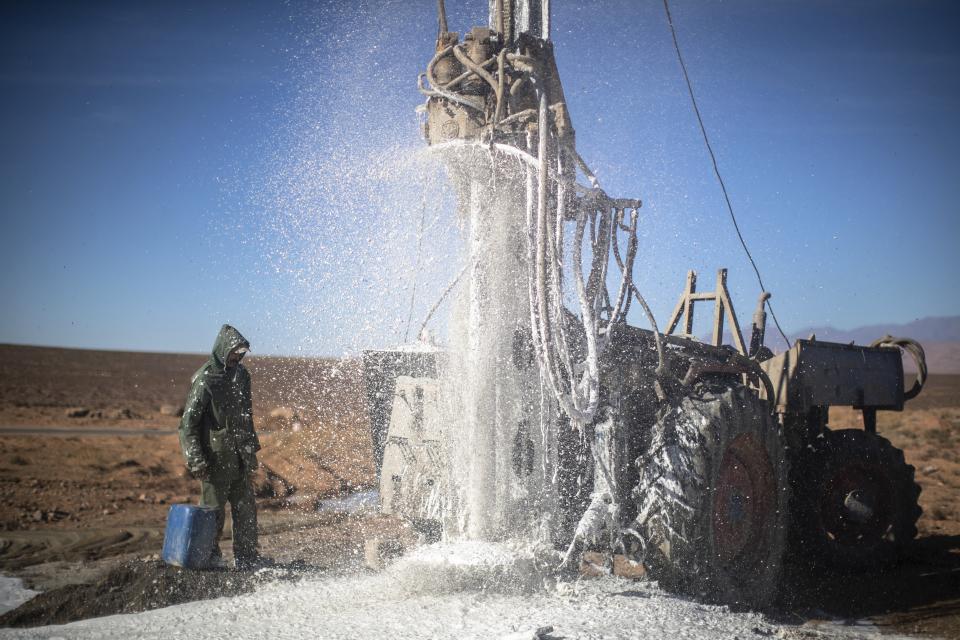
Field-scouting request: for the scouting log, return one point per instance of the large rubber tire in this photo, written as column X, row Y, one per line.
column 857, row 501
column 713, row 498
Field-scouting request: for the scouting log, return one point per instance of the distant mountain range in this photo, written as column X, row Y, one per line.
column 940, row 338
column 924, row 330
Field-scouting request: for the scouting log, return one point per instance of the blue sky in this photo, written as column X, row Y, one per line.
column 168, row 166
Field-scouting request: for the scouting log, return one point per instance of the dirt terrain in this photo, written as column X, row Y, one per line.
column 89, row 464
column 79, row 482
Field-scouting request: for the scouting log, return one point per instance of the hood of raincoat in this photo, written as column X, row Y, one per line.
column 227, row 340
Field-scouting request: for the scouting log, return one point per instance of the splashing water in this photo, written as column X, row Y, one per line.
column 501, row 449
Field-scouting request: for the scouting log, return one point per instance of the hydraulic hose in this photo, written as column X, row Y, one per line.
column 915, row 349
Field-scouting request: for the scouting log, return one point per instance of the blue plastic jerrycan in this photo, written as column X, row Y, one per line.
column 191, row 533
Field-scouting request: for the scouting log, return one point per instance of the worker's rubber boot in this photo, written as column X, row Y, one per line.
column 216, row 560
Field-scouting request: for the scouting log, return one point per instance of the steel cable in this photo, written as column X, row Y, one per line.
column 716, row 169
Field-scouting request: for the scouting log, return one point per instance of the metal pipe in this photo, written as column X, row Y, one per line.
column 518, row 16
column 545, row 19
column 442, row 16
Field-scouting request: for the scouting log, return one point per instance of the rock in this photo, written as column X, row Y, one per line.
column 77, row 412
column 929, row 469
column 594, row 564
column 125, row 413
column 625, row 567
column 37, row 516
column 171, row 410
column 142, row 497
column 285, row 418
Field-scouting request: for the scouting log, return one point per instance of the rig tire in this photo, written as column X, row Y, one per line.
column 713, row 498
column 856, row 501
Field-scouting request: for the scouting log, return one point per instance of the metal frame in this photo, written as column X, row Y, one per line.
column 723, row 308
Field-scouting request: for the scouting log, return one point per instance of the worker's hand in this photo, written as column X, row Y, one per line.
column 200, row 473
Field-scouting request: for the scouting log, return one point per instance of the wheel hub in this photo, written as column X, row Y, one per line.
column 855, row 505
column 860, row 505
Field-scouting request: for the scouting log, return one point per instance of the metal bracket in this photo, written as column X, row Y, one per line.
column 722, row 309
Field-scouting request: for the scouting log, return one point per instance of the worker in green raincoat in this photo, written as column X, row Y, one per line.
column 220, row 445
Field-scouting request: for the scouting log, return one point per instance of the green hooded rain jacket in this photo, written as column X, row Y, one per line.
column 216, row 431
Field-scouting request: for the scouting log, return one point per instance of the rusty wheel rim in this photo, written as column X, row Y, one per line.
column 744, row 503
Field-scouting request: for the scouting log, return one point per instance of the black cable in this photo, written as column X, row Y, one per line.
column 416, row 269
column 716, row 169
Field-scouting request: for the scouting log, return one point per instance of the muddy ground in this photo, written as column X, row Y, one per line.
column 89, row 465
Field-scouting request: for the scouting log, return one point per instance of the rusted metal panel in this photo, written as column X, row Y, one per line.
column 822, row 374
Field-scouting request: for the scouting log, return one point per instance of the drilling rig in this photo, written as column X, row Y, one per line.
column 707, row 462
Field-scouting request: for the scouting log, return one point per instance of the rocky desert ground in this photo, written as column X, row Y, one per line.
column 89, row 464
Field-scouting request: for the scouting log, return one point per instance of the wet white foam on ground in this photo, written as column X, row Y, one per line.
column 468, row 590
column 474, row 565
column 13, row 593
